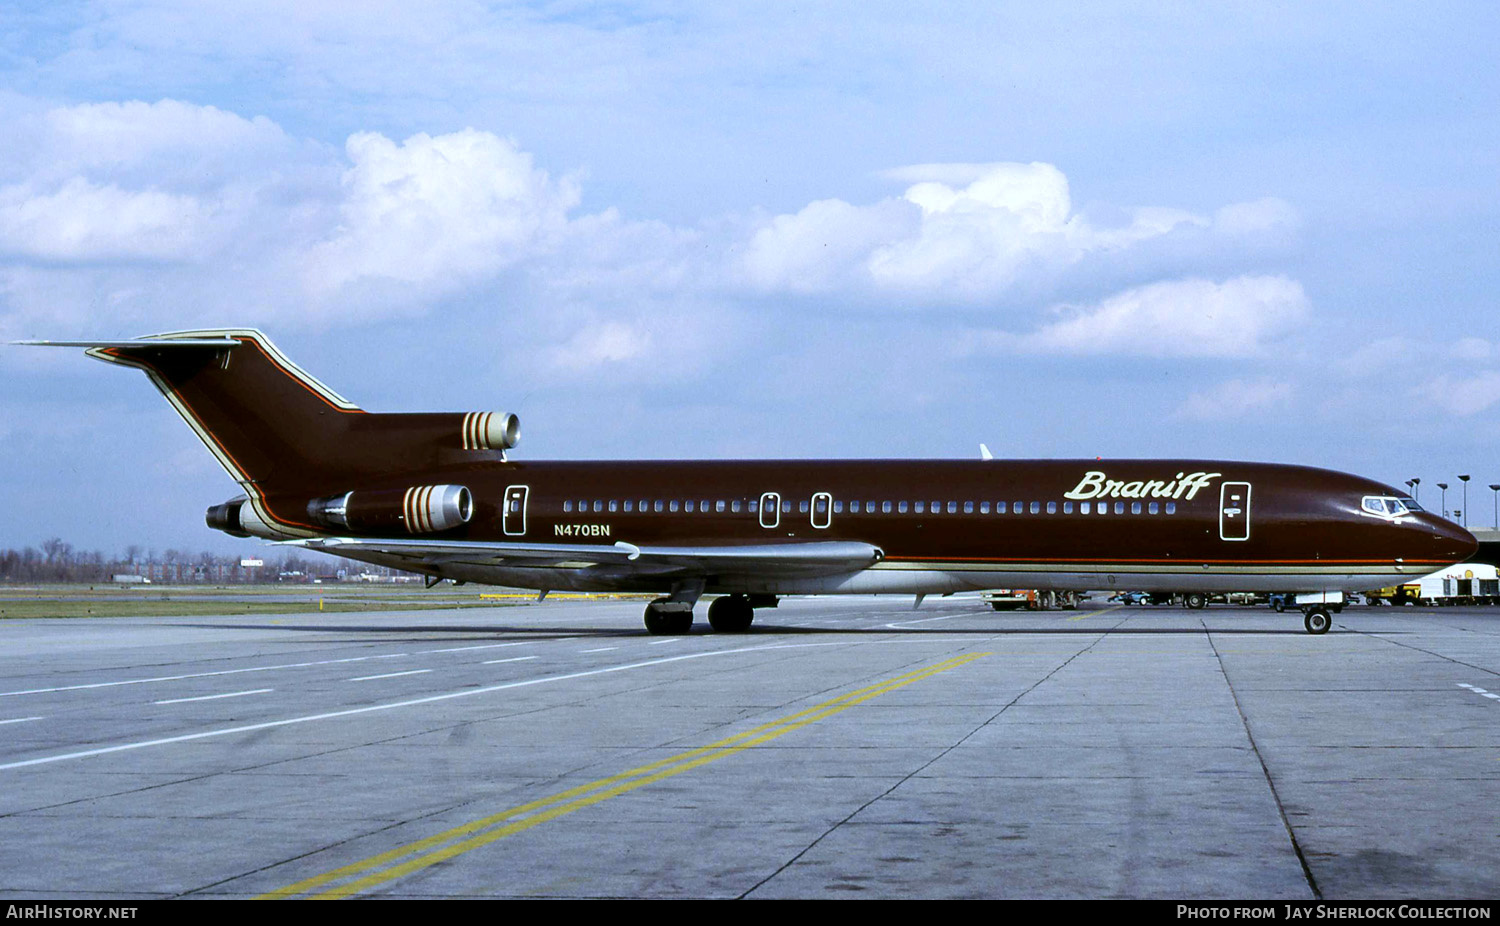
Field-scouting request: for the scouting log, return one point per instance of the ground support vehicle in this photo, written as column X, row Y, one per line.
column 1395, row 595
column 1245, row 599
column 1462, row 584
column 1031, row 599
column 1197, row 600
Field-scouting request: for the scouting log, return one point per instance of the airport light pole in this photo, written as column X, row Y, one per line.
column 1416, row 488
column 1496, row 490
column 1443, row 499
column 1465, row 481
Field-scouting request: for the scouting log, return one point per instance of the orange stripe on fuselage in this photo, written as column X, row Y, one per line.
column 1179, row 561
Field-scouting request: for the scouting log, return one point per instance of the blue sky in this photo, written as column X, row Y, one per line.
column 1247, row 231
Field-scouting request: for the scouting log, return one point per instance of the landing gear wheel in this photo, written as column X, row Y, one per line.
column 662, row 619
column 731, row 614
column 1317, row 620
column 1195, row 600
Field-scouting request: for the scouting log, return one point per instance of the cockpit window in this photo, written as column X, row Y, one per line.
column 1385, row 506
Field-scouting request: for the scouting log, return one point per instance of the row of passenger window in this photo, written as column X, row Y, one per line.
column 646, row 506
column 752, row 506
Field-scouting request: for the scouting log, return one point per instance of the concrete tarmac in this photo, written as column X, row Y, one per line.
column 843, row 748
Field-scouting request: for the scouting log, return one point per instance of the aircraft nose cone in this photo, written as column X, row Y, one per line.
column 1452, row 542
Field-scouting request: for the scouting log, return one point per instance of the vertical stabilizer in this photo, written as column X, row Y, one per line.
column 284, row 436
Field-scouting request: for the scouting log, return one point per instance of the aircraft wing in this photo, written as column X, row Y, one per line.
column 812, row 558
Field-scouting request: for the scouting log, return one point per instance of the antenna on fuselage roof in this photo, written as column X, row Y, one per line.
column 984, row 453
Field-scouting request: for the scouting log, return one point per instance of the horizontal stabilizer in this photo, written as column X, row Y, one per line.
column 131, row 343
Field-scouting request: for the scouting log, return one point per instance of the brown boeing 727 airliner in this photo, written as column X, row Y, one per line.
column 436, row 494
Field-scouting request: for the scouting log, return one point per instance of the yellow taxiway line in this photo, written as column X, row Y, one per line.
column 1096, row 613
column 404, row 860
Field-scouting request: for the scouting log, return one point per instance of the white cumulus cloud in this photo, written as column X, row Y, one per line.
column 439, row 211
column 80, row 220
column 1462, row 395
column 143, row 181
column 966, row 232
column 171, row 214
column 1236, row 397
column 1179, row 318
column 118, row 136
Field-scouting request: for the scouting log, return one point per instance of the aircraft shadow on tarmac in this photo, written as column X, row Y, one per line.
column 388, row 631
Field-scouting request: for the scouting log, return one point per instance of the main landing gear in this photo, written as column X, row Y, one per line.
column 665, row 617
column 731, row 614
column 673, row 615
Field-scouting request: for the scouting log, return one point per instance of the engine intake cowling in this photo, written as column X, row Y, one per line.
column 417, row 510
column 491, row 431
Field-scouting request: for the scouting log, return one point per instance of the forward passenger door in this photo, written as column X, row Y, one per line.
column 1234, row 511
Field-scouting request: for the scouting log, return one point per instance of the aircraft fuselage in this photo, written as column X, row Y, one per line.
column 944, row 526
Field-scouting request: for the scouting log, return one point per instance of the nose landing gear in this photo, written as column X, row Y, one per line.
column 1317, row 619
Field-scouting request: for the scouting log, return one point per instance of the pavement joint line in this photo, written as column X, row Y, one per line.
column 928, row 764
column 477, row 833
column 1265, row 768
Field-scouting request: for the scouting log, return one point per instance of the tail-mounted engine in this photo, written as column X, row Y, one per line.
column 418, row 510
column 490, row 431
column 237, row 518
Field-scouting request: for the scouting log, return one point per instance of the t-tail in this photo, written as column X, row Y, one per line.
column 298, row 449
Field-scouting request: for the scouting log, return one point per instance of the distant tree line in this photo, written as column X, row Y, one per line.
column 57, row 561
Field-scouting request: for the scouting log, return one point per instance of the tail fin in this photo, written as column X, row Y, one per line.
column 282, row 434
